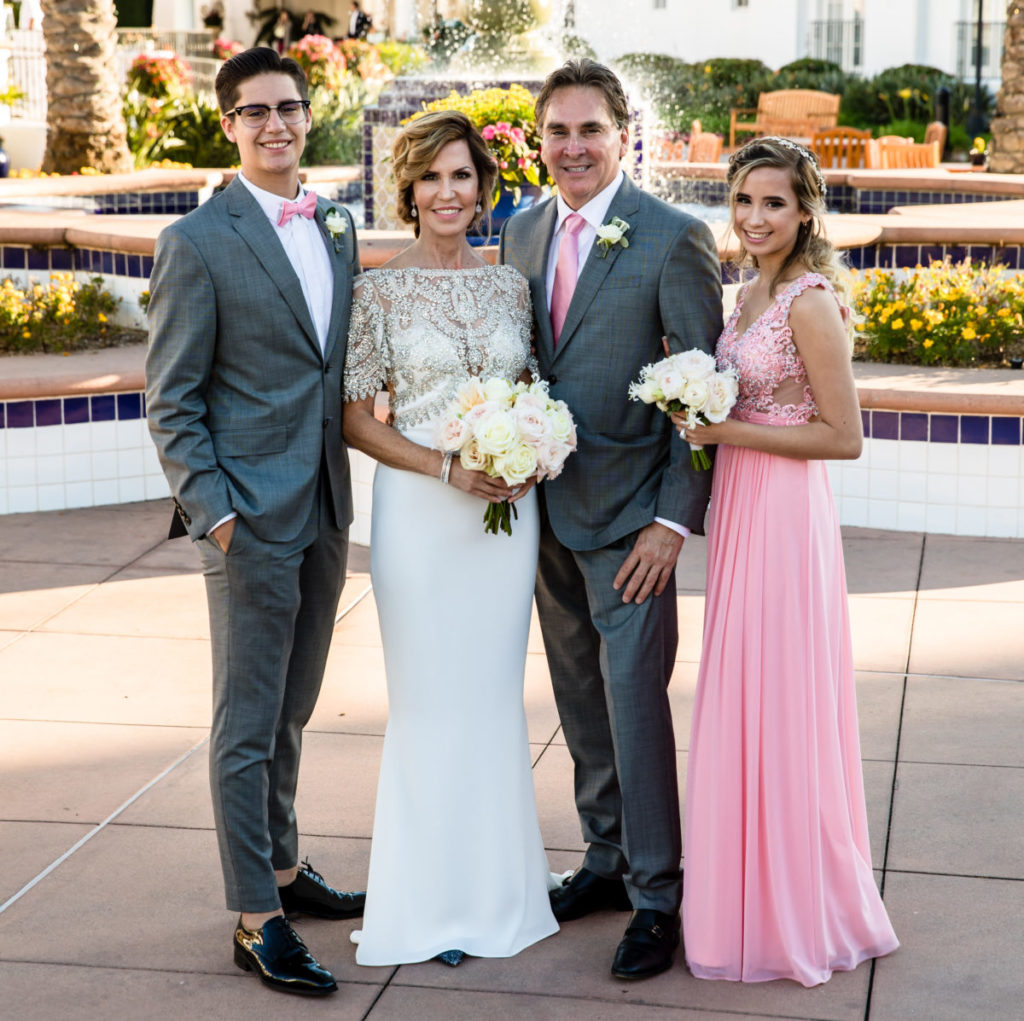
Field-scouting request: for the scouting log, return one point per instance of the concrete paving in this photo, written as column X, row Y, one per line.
column 110, row 899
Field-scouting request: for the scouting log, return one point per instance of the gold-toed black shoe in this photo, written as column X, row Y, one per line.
column 309, row 894
column 282, row 961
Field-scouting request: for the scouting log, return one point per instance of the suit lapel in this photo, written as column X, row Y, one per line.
column 258, row 233
column 599, row 264
column 339, row 259
column 540, row 246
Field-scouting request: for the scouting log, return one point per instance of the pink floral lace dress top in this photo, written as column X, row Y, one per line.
column 765, row 358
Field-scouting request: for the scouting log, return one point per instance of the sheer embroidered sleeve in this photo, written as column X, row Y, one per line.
column 524, row 319
column 366, row 359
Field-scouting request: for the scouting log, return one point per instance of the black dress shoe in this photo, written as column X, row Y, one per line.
column 585, row 892
column 309, row 894
column 646, row 949
column 277, row 954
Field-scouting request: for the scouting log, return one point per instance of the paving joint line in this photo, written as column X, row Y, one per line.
column 99, row 827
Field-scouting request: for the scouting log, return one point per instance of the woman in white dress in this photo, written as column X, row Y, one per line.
column 457, row 864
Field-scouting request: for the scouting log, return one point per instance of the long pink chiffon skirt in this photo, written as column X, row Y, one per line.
column 777, row 880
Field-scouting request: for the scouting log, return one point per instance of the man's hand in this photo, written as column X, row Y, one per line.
column 649, row 564
column 222, row 534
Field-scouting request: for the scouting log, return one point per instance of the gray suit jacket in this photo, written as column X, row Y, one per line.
column 242, row 405
column 630, row 466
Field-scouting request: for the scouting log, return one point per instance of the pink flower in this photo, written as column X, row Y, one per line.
column 503, row 126
column 487, row 131
column 517, row 135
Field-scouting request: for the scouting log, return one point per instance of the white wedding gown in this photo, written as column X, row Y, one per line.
column 457, row 861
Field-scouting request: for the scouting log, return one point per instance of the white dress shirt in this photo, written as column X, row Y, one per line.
column 304, row 245
column 595, row 212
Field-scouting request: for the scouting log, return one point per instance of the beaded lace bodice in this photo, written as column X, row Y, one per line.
column 764, row 356
column 422, row 332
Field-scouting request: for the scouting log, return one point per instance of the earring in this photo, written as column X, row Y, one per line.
column 479, row 208
column 412, row 210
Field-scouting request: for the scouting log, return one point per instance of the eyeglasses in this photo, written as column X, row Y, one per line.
column 255, row 115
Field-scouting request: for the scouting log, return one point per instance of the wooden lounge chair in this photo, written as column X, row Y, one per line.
column 796, row 113
column 840, row 147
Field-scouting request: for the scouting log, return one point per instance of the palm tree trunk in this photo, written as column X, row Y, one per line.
column 85, row 125
column 1007, row 156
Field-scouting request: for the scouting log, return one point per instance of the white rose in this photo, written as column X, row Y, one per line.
column 532, row 422
column 471, row 393
column 335, row 223
column 538, row 401
column 551, row 455
column 648, row 392
column 610, row 232
column 669, row 380
column 499, row 390
column 496, row 433
column 519, row 464
column 477, row 412
column 694, row 364
column 695, row 394
column 451, row 434
column 721, row 398
column 562, row 428
column 472, row 458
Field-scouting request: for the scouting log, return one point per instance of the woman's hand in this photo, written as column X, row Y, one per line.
column 479, row 484
column 702, row 435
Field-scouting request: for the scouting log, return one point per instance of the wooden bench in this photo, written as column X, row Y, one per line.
column 794, row 113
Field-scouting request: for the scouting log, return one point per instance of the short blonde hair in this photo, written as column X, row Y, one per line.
column 418, row 146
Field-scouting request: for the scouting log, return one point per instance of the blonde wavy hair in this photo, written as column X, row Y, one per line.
column 811, row 246
column 418, row 146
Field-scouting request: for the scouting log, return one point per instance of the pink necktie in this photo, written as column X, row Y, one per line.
column 306, row 206
column 565, row 272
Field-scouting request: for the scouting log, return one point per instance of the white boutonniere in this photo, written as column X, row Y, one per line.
column 337, row 226
column 612, row 233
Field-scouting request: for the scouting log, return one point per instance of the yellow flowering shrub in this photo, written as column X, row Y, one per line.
column 948, row 313
column 60, row 315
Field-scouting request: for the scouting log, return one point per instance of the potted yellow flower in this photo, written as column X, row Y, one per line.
column 979, row 152
column 505, row 119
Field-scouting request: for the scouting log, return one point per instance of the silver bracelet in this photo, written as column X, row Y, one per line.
column 446, row 467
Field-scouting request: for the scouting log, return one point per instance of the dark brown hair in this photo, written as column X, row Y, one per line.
column 417, row 147
column 251, row 63
column 585, row 73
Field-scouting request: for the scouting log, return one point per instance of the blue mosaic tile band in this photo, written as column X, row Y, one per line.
column 1002, row 430
column 997, row 430
column 47, row 411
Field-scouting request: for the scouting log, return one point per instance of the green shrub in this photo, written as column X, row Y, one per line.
column 946, row 314
column 60, row 315
column 336, row 136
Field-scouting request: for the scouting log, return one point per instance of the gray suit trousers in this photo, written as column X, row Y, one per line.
column 272, row 608
column 610, row 667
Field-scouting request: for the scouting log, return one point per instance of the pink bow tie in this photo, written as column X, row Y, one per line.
column 306, row 206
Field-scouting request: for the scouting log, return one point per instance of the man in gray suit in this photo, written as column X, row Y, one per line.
column 614, row 522
column 248, row 325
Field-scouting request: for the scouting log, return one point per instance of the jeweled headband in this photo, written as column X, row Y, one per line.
column 788, row 143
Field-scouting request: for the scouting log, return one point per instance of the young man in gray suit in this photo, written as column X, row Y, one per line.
column 248, row 325
column 614, row 522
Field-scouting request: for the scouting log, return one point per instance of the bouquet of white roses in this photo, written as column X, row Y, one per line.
column 688, row 382
column 514, row 431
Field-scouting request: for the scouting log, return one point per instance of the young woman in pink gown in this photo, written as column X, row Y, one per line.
column 778, row 880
